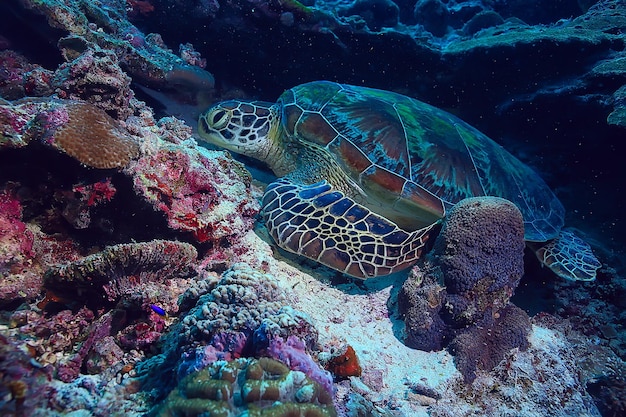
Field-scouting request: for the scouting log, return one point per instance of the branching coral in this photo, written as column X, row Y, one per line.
column 257, row 387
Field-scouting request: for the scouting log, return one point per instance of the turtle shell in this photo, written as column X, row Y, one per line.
column 410, row 159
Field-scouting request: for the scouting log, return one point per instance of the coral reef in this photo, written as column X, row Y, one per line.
column 144, row 57
column 480, row 252
column 204, row 192
column 420, row 301
column 129, row 271
column 79, row 350
column 544, row 379
column 83, row 198
column 264, row 387
column 378, row 14
column 18, row 280
column 460, row 296
column 88, row 134
column 241, row 302
column 483, row 345
column 20, row 78
column 93, row 74
column 22, row 383
column 82, row 130
column 293, row 353
column 97, row 333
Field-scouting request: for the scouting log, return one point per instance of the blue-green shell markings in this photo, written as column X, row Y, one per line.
column 365, row 175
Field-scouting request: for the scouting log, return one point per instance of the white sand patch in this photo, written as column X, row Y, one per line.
column 356, row 313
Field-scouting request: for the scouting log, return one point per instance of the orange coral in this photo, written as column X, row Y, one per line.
column 94, row 138
column 345, row 364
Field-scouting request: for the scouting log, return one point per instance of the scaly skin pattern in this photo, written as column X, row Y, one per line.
column 394, row 164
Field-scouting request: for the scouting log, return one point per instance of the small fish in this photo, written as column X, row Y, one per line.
column 158, row 310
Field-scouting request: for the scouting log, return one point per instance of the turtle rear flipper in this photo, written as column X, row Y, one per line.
column 323, row 224
column 569, row 257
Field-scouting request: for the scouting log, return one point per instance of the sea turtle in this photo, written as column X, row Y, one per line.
column 365, row 174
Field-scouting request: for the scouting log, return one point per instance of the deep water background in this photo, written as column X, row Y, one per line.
column 519, row 96
column 531, row 97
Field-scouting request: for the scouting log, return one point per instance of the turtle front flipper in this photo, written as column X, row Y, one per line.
column 569, row 257
column 323, row 224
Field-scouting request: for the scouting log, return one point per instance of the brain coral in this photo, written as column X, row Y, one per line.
column 252, row 387
column 88, row 134
column 241, row 301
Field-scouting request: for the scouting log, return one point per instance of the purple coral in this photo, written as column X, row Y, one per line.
column 292, row 352
column 70, row 369
column 22, row 383
column 484, row 345
column 479, row 258
column 480, row 252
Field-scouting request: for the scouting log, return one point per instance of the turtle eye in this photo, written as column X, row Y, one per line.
column 219, row 119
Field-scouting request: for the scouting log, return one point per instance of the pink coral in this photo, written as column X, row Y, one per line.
column 203, row 192
column 82, row 198
column 16, row 253
column 292, row 352
column 20, row 78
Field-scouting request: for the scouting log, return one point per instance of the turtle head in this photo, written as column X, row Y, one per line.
column 247, row 128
